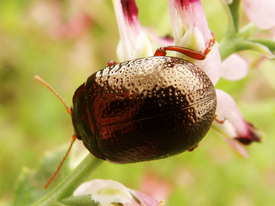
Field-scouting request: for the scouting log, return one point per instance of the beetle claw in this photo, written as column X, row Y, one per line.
column 161, row 51
column 190, row 150
column 219, row 121
column 111, row 63
column 210, row 44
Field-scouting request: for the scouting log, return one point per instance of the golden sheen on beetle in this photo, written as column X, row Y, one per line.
column 145, row 109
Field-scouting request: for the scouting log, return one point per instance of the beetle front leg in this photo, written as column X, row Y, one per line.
column 188, row 52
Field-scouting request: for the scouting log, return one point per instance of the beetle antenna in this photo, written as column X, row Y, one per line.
column 73, row 138
column 54, row 92
column 61, row 163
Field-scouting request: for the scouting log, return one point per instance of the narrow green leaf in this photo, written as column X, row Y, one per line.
column 269, row 43
column 30, row 183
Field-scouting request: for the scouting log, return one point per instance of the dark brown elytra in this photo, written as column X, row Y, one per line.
column 144, row 109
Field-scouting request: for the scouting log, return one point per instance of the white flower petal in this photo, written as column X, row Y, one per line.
column 212, row 64
column 141, row 48
column 187, row 14
column 193, row 39
column 175, row 22
column 234, row 68
column 237, row 147
column 145, row 199
column 105, row 191
column 260, row 12
column 197, row 35
column 133, row 41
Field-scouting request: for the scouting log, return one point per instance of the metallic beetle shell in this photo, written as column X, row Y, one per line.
column 144, row 109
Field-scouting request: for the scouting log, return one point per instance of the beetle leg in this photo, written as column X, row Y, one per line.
column 210, row 44
column 160, row 51
column 190, row 150
column 188, row 52
column 61, row 163
column 219, row 121
column 111, row 63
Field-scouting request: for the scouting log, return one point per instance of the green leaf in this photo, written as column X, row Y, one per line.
column 49, row 165
column 30, row 184
column 72, row 181
column 23, row 188
column 254, row 46
column 269, row 43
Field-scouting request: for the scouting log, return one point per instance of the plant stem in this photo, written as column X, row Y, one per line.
column 235, row 14
column 234, row 42
column 227, row 46
column 72, row 181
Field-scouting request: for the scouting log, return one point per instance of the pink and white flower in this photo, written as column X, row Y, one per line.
column 133, row 41
column 261, row 13
column 109, row 192
column 234, row 68
column 190, row 30
column 230, row 123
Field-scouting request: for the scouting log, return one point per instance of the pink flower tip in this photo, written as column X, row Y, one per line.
column 130, row 10
column 253, row 135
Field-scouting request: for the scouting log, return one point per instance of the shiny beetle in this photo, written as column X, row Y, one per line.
column 145, row 109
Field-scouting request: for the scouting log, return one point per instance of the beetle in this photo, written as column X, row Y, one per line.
column 144, row 109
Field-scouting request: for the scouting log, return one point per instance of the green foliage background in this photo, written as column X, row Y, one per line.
column 33, row 122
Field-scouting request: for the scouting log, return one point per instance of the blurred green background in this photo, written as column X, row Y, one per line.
column 64, row 42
